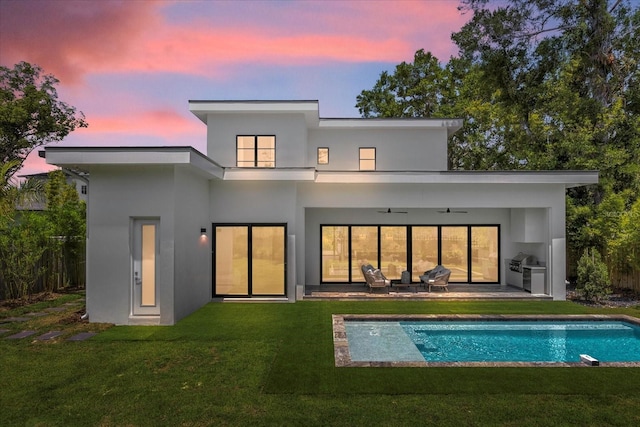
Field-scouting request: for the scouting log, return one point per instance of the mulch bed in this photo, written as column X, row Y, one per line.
column 620, row 298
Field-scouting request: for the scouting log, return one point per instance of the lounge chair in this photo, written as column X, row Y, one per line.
column 374, row 278
column 438, row 276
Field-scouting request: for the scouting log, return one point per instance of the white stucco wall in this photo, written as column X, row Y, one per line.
column 117, row 195
column 408, row 150
column 290, row 131
column 179, row 200
column 192, row 286
column 258, row 202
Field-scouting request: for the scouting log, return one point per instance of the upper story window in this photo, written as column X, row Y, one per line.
column 256, row 151
column 323, row 155
column 83, row 189
column 367, row 159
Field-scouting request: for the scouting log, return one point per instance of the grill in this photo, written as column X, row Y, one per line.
column 520, row 260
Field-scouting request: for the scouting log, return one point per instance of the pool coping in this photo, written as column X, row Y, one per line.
column 342, row 355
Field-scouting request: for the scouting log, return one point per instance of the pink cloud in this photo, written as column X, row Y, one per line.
column 160, row 123
column 71, row 38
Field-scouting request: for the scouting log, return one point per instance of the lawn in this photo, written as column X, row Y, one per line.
column 272, row 364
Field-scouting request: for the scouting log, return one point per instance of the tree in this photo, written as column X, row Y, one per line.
column 22, row 240
column 593, row 278
column 30, row 113
column 541, row 85
column 66, row 216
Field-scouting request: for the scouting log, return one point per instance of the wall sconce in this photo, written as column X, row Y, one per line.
column 203, row 231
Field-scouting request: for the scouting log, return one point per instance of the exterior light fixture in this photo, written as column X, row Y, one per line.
column 203, row 231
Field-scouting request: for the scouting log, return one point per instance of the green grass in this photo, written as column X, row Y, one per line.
column 272, row 364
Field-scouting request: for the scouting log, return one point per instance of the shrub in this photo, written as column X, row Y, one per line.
column 593, row 278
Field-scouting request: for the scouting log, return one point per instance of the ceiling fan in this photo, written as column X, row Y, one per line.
column 389, row 211
column 450, row 211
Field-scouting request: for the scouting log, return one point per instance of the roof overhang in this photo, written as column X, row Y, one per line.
column 310, row 109
column 311, row 112
column 451, row 125
column 83, row 158
column 566, row 178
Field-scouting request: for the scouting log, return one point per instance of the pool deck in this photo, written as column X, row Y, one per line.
column 343, row 357
column 457, row 291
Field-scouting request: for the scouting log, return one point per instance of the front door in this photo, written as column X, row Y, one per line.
column 146, row 245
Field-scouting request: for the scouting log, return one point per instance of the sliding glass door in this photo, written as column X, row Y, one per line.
column 249, row 260
column 471, row 252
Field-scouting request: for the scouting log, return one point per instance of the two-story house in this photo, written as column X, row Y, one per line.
column 286, row 201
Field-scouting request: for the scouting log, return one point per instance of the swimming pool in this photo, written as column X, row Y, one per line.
column 429, row 340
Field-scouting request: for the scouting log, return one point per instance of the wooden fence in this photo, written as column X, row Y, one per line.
column 59, row 270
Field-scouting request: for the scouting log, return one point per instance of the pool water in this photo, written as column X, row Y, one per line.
column 493, row 341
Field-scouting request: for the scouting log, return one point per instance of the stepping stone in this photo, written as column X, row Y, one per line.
column 82, row 336
column 19, row 335
column 55, row 309
column 3, row 331
column 15, row 319
column 49, row 335
column 39, row 314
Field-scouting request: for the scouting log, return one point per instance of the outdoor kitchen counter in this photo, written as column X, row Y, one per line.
column 534, row 278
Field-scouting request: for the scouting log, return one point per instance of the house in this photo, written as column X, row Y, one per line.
column 285, row 201
column 79, row 181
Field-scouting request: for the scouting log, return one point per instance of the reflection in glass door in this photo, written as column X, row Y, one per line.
column 364, row 249
column 454, row 253
column 335, row 253
column 231, row 260
column 393, row 251
column 484, row 254
column 267, row 260
column 424, row 250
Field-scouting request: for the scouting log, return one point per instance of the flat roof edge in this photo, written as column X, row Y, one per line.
column 131, row 156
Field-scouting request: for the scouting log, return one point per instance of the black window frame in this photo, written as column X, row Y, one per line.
column 469, row 227
column 360, row 158
column 256, row 149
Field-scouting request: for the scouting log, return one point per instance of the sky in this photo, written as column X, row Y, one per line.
column 131, row 66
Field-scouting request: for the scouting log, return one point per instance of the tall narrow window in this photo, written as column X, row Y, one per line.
column 323, row 155
column 367, row 159
column 256, row 151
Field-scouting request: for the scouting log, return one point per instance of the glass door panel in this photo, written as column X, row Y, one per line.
column 267, row 260
column 393, row 251
column 424, row 250
column 364, row 249
column 146, row 250
column 484, row 254
column 454, row 252
column 335, row 254
column 232, row 260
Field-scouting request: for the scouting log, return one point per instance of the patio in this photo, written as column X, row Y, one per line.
column 457, row 291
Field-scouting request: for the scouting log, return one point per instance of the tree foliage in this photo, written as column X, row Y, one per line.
column 40, row 250
column 31, row 114
column 593, row 278
column 541, row 85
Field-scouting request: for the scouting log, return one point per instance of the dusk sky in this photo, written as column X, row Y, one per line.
column 132, row 66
